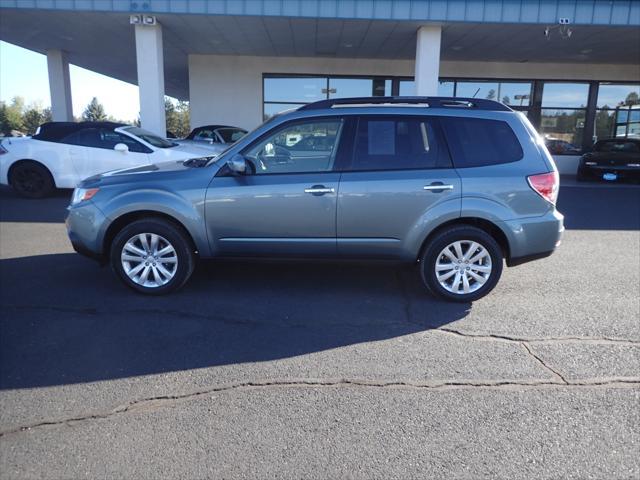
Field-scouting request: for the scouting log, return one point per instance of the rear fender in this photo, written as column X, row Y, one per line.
column 431, row 219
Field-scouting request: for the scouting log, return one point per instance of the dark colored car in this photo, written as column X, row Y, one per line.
column 611, row 159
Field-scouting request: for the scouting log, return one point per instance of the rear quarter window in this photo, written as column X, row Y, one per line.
column 478, row 142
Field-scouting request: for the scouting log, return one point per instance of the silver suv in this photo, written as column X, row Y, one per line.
column 453, row 185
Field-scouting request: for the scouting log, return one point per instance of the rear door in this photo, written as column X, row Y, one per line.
column 400, row 177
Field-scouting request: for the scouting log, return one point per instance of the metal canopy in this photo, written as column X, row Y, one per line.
column 104, row 42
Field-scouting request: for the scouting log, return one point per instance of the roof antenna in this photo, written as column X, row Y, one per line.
column 474, row 95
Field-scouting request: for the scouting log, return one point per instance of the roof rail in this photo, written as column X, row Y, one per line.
column 433, row 102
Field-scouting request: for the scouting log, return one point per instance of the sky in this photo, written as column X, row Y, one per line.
column 24, row 73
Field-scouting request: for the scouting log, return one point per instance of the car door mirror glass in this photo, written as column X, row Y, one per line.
column 238, row 165
column 121, row 147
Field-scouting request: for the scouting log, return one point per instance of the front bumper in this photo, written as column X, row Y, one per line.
column 534, row 238
column 85, row 227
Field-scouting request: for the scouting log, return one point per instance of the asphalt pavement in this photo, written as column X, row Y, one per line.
column 323, row 370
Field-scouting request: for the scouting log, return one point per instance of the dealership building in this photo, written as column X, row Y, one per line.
column 572, row 65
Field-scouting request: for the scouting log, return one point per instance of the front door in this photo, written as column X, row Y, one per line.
column 92, row 152
column 287, row 204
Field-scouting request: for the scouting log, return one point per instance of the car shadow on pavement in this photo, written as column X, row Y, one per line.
column 65, row 320
column 39, row 210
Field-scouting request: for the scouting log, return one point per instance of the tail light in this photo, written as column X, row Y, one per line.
column 546, row 185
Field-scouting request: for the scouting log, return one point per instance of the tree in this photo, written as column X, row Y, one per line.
column 491, row 95
column 94, row 111
column 12, row 116
column 632, row 99
column 34, row 116
column 506, row 100
column 177, row 117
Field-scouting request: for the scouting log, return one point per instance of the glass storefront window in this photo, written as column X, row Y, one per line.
column 516, row 94
column 488, row 90
column 271, row 109
column 510, row 93
column 301, row 89
column 604, row 124
column 565, row 95
column 566, row 125
column 358, row 87
column 408, row 88
column 611, row 95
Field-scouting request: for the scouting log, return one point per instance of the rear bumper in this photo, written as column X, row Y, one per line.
column 534, row 238
column 622, row 171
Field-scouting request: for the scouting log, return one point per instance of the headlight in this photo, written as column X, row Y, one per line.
column 82, row 194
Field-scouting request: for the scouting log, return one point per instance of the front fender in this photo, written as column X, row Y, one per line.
column 185, row 210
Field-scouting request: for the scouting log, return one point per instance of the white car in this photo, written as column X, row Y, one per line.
column 61, row 154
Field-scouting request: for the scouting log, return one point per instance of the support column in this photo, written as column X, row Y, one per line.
column 59, row 86
column 150, row 61
column 428, row 60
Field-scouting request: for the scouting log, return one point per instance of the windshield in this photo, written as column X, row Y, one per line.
column 150, row 138
column 231, row 135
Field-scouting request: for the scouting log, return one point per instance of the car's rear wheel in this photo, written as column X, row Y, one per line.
column 462, row 263
column 31, row 180
column 152, row 256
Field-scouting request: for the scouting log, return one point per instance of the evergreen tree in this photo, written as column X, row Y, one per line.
column 632, row 99
column 94, row 111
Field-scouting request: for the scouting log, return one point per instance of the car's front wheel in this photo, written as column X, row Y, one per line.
column 31, row 179
column 462, row 263
column 152, row 256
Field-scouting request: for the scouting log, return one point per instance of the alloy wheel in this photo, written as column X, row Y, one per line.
column 463, row 267
column 149, row 260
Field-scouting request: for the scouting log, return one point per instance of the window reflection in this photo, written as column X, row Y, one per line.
column 611, row 96
column 408, row 88
column 565, row 95
column 563, row 125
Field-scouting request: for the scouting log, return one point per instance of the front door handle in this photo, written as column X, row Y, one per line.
column 319, row 190
column 437, row 187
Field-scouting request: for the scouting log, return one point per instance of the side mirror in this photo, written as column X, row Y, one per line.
column 238, row 165
column 121, row 147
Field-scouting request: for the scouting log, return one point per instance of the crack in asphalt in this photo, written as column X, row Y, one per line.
column 517, row 339
column 161, row 401
column 543, row 363
column 524, row 342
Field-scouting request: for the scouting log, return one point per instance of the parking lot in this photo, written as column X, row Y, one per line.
column 286, row 369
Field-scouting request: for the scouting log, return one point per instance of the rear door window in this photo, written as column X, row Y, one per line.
column 478, row 142
column 398, row 143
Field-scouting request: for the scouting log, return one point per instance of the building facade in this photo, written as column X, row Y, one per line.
column 572, row 65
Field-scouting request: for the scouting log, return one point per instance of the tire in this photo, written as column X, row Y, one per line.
column 487, row 266
column 31, row 179
column 166, row 272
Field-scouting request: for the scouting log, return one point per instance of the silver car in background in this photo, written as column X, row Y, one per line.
column 455, row 186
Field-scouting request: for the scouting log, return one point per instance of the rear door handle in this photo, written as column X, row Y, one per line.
column 319, row 190
column 438, row 187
